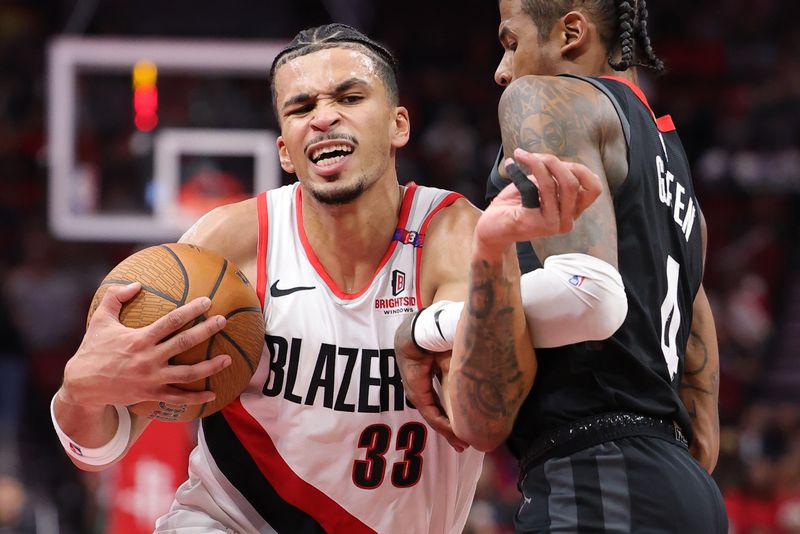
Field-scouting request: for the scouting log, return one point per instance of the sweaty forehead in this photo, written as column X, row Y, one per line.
column 509, row 9
column 322, row 71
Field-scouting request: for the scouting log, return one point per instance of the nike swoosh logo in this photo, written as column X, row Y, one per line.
column 274, row 291
column 436, row 320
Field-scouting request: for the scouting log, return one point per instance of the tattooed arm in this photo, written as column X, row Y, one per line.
column 572, row 120
column 699, row 389
column 493, row 363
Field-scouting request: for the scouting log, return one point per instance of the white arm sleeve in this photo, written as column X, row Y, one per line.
column 573, row 298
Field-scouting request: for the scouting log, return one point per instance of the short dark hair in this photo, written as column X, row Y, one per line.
column 312, row 40
column 622, row 25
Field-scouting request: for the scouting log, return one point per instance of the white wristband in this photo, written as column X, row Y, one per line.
column 103, row 455
column 435, row 326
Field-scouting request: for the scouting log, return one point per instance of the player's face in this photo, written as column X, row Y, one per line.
column 339, row 129
column 524, row 53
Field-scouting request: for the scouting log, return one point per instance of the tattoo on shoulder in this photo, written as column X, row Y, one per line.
column 545, row 116
column 557, row 117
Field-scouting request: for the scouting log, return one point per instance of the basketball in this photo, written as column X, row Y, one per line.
column 172, row 275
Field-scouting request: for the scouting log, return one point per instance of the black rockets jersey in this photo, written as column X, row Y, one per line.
column 639, row 368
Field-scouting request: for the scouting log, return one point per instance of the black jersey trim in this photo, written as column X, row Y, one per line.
column 623, row 119
column 241, row 470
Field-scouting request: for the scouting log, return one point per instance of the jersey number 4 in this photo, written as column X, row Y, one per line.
column 671, row 318
column 369, row 473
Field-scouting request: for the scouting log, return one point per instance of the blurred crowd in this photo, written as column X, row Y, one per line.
column 732, row 87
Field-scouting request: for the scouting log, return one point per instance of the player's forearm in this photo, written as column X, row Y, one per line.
column 492, row 364
column 699, row 388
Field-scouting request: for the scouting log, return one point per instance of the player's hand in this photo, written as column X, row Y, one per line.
column 119, row 365
column 418, row 370
column 565, row 190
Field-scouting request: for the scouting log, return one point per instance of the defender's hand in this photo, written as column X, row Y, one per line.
column 565, row 188
column 119, row 365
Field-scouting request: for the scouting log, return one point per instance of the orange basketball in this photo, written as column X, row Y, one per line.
column 171, row 275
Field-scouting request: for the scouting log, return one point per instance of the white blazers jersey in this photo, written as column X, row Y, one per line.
column 323, row 438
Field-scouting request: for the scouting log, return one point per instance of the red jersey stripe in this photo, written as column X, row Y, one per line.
column 286, row 482
column 405, row 209
column 664, row 124
column 261, row 248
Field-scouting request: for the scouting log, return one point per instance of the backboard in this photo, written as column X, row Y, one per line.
column 145, row 135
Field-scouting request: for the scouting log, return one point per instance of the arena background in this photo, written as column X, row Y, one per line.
column 732, row 87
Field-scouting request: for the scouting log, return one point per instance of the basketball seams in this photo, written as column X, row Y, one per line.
column 183, row 272
column 241, row 351
column 233, row 312
column 220, row 277
column 220, row 280
column 149, row 289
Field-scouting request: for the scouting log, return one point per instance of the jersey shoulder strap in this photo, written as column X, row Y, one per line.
column 618, row 106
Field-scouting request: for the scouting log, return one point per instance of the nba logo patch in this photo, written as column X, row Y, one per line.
column 576, row 280
column 398, row 282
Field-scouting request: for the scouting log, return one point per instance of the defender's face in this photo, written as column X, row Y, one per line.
column 339, row 129
column 524, row 53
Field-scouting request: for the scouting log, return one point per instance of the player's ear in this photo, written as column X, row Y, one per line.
column 283, row 155
column 574, row 34
column 401, row 129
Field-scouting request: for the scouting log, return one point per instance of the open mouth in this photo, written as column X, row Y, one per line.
column 330, row 155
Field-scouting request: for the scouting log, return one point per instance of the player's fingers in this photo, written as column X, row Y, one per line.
column 548, row 192
column 528, row 192
column 591, row 186
column 116, row 295
column 509, row 193
column 174, row 320
column 186, row 374
column 568, row 187
column 173, row 395
column 193, row 336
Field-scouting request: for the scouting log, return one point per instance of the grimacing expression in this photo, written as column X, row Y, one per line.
column 525, row 52
column 339, row 128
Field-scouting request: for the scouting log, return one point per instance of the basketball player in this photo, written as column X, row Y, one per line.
column 601, row 420
column 322, row 439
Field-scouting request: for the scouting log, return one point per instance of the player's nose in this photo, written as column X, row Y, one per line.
column 502, row 75
column 325, row 118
